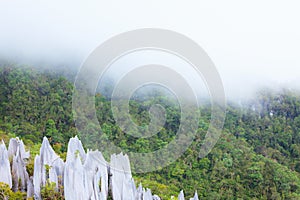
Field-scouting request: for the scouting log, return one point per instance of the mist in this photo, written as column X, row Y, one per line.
column 253, row 45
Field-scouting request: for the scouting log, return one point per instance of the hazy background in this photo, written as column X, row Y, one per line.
column 253, row 44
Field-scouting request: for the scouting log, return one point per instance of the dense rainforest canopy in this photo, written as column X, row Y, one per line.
column 257, row 156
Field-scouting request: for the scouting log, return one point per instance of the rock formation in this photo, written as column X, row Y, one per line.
column 84, row 176
column 122, row 184
column 16, row 152
column 195, row 197
column 47, row 167
column 181, row 195
column 5, row 175
column 96, row 176
column 85, row 172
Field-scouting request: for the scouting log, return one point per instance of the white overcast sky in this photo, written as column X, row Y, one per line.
column 252, row 43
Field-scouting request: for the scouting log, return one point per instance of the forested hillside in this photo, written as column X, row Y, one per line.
column 257, row 156
column 35, row 104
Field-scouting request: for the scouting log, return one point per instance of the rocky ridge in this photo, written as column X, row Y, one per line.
column 84, row 175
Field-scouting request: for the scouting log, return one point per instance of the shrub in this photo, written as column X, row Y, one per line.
column 7, row 194
column 50, row 192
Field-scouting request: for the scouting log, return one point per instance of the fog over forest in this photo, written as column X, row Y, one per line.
column 259, row 48
column 63, row 95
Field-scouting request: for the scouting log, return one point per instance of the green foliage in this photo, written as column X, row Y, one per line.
column 5, row 136
column 257, row 157
column 50, row 192
column 34, row 104
column 7, row 194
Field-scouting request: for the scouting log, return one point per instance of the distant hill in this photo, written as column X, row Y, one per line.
column 257, row 156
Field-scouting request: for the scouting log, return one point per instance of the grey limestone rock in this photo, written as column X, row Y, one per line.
column 17, row 146
column 37, row 177
column 75, row 148
column 128, row 190
column 74, row 177
column 181, row 195
column 85, row 172
column 16, row 151
column 121, row 178
column 74, row 173
column 155, row 197
column 48, row 166
column 30, row 188
column 96, row 176
column 147, row 194
column 85, row 176
column 139, row 192
column 195, row 197
column 5, row 175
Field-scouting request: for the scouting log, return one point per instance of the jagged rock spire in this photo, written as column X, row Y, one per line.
column 16, row 152
column 5, row 175
column 181, row 195
column 85, row 176
column 74, row 173
column 96, row 176
column 75, row 149
column 121, row 178
column 195, row 196
column 85, row 172
column 47, row 166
